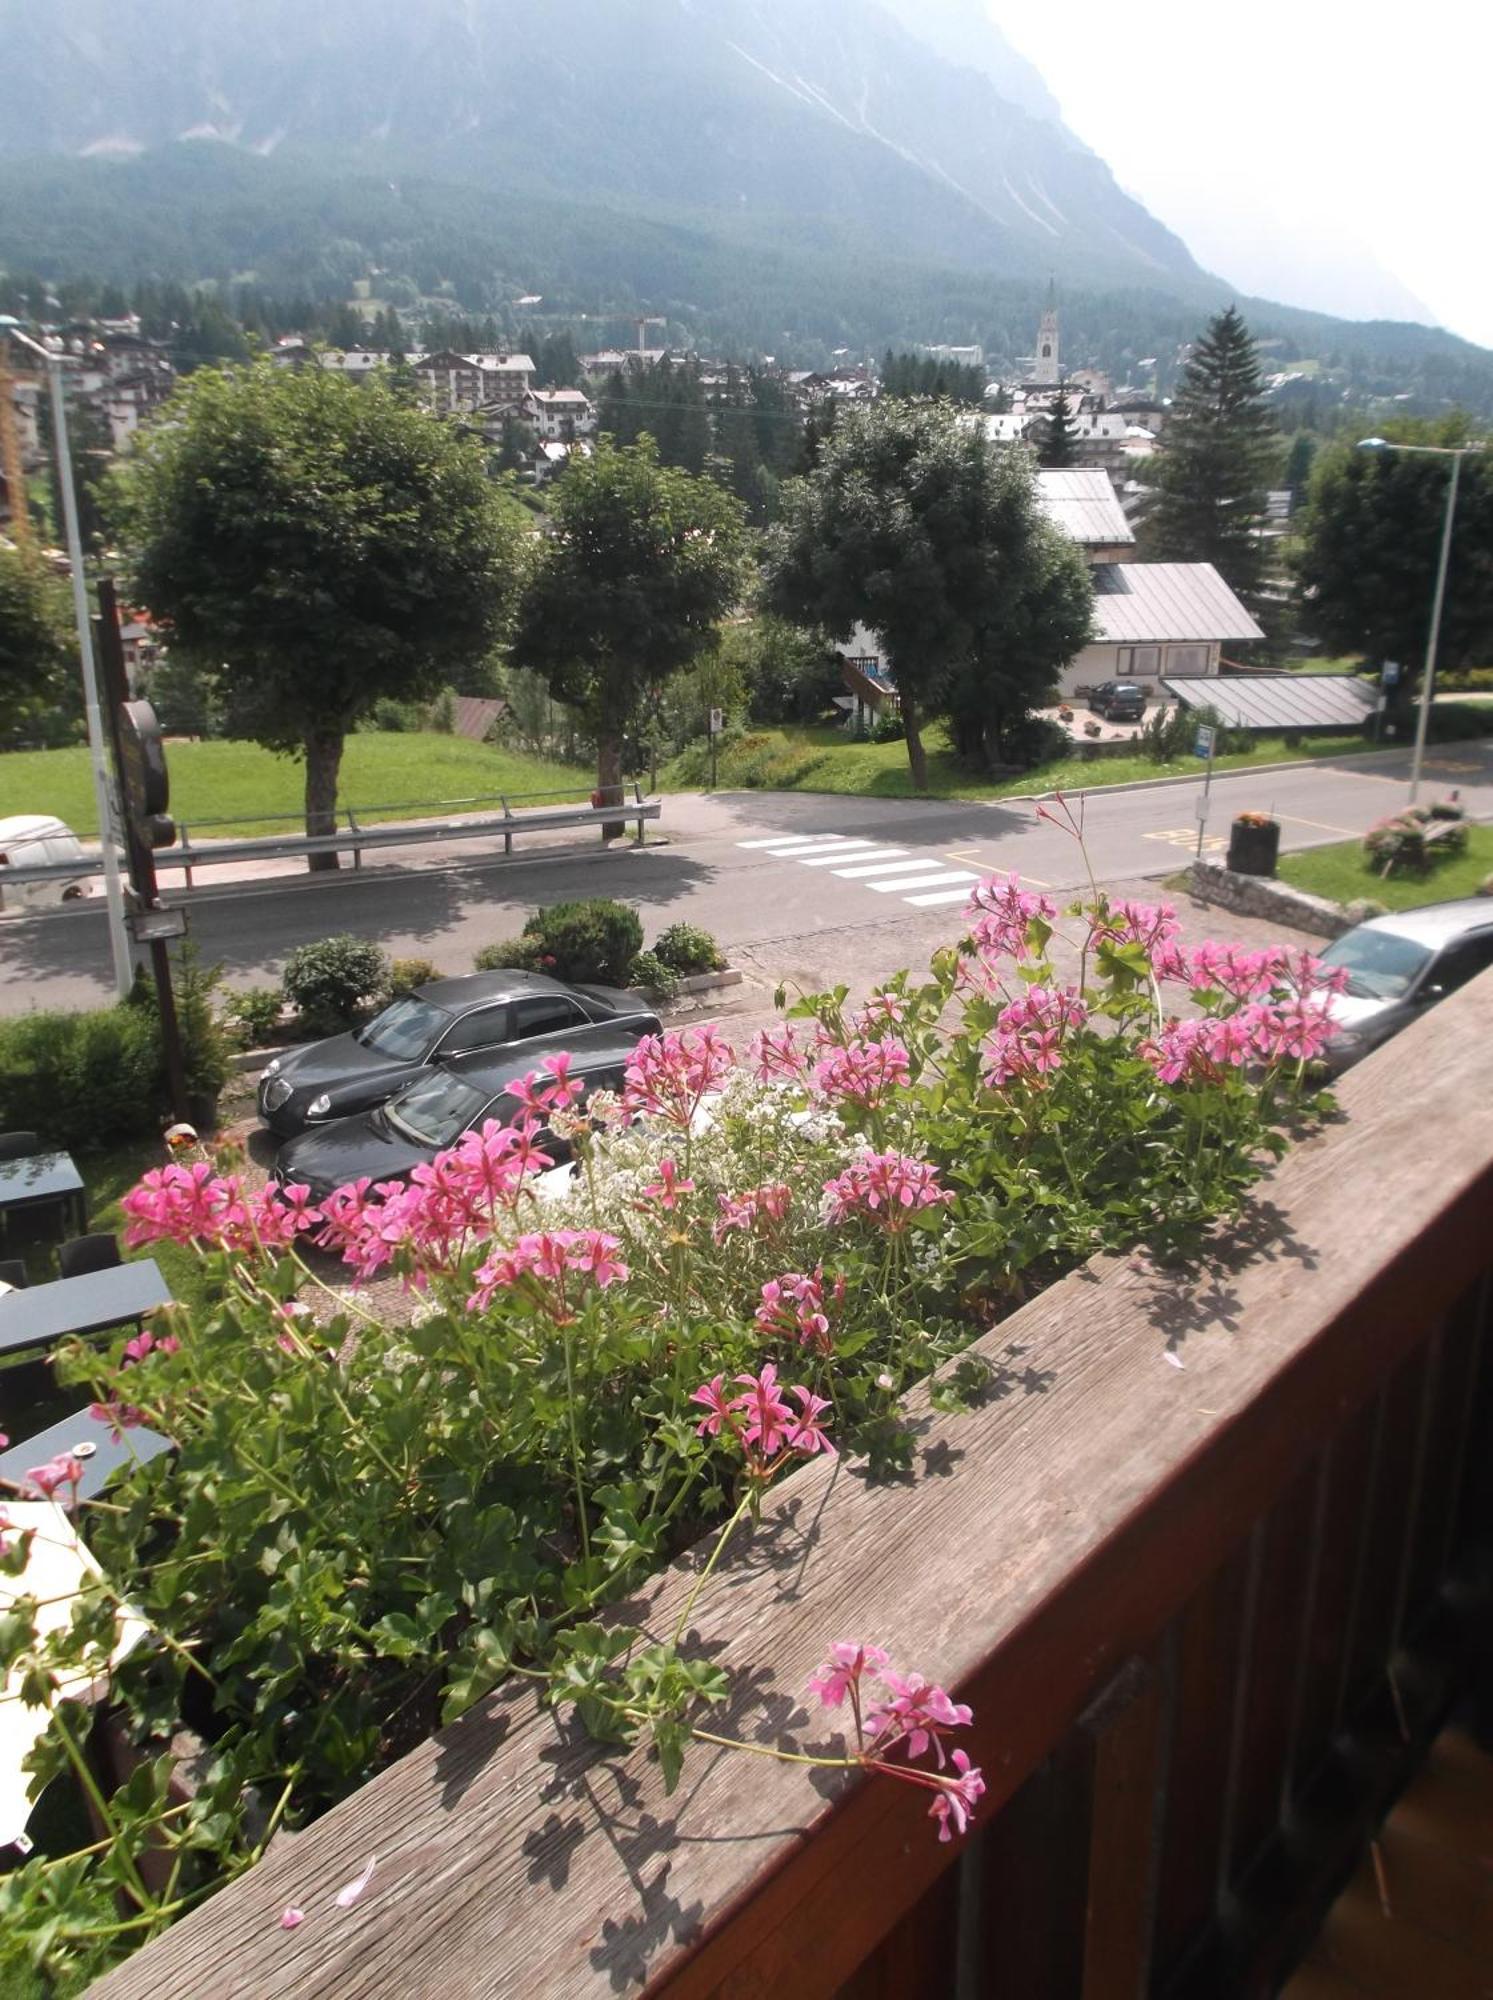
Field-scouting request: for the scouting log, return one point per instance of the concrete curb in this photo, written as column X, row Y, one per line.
column 708, row 982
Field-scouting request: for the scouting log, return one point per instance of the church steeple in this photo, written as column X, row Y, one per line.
column 1047, row 373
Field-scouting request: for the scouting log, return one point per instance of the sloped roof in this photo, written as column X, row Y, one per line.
column 1281, row 701
column 1166, row 603
column 1080, row 500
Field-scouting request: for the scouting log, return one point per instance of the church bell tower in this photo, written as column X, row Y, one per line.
column 1046, row 373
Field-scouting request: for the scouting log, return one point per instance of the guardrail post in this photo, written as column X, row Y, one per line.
column 357, row 847
column 184, row 836
column 507, row 830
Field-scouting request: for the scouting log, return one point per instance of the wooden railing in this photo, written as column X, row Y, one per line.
column 1205, row 1614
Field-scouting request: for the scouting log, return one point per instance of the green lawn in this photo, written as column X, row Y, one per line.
column 814, row 759
column 1343, row 873
column 240, row 783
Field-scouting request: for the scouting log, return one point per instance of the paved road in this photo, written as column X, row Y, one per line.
column 794, row 882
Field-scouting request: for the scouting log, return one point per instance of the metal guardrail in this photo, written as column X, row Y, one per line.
column 188, row 855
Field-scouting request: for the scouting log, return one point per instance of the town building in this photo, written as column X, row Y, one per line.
column 559, row 415
column 1158, row 619
column 450, row 381
column 1081, row 500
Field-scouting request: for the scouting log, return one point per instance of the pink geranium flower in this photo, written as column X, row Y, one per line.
column 769, row 1420
column 957, row 1797
column 842, row 1672
column 670, row 1185
column 712, row 1395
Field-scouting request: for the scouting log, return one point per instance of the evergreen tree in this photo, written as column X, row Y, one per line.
column 1298, row 473
column 1057, row 441
column 345, row 327
column 1220, row 449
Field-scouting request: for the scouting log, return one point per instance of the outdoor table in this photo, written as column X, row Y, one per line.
column 42, row 1180
column 41, row 1315
column 91, row 1439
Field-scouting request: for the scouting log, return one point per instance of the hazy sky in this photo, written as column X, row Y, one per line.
column 1294, row 140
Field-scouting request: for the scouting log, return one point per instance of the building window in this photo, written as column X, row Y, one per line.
column 1137, row 662
column 1187, row 660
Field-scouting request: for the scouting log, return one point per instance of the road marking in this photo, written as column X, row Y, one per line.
column 942, row 877
column 1187, row 836
column 880, row 868
column 869, row 853
column 939, row 896
column 1322, row 825
column 801, row 844
column 778, row 839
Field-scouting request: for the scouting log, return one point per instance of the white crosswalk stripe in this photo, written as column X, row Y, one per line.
column 923, row 881
column 941, row 878
column 884, row 867
column 859, row 852
column 932, row 901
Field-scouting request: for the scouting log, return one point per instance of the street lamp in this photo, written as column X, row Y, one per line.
column 103, row 790
column 1456, row 453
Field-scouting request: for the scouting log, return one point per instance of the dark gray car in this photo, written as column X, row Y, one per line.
column 1401, row 964
column 480, row 1012
column 456, row 1096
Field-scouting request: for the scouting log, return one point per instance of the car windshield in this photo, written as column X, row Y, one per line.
column 405, row 1030
column 1380, row 966
column 436, row 1110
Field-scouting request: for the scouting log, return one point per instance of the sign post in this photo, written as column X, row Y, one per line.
column 1389, row 679
column 145, row 794
column 1203, row 746
column 717, row 724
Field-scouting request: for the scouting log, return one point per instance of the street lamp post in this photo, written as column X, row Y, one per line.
column 103, row 789
column 1456, row 453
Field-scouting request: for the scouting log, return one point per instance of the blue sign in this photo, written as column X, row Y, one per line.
column 1203, row 746
column 1389, row 674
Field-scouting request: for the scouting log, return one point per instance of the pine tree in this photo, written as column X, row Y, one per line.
column 1057, row 441
column 1221, row 445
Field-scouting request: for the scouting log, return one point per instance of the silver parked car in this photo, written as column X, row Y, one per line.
column 1398, row 965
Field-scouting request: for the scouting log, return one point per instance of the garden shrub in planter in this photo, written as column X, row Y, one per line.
column 332, row 979
column 595, row 940
column 521, row 954
column 754, row 1263
column 686, row 948
column 83, row 1080
column 254, row 1015
column 657, row 980
column 405, row 974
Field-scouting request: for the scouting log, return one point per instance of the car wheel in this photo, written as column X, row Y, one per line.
column 74, row 892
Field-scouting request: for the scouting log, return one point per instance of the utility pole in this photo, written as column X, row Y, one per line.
column 103, row 790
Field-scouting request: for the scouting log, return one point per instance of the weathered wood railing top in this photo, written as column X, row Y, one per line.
column 1043, row 1540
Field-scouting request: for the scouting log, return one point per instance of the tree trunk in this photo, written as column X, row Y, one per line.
column 323, row 763
column 609, row 783
column 917, row 756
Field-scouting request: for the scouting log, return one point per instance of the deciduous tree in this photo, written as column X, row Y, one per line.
column 1370, row 541
column 35, row 654
column 313, row 548
column 913, row 526
column 642, row 563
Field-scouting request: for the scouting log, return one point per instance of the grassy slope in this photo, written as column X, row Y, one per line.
column 1342, row 873
column 820, row 760
column 236, row 781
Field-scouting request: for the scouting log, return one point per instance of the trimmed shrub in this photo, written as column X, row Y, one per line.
column 595, row 939
column 658, row 980
column 405, row 974
column 204, row 1044
column 520, row 954
column 686, row 948
column 331, row 979
column 83, row 1081
column 253, row 1016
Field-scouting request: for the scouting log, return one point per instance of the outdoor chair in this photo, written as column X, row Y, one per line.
column 13, row 1273
column 18, row 1145
column 82, row 1254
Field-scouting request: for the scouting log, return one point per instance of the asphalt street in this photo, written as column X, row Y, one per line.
column 794, row 884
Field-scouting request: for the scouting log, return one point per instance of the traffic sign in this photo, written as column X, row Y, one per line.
column 717, row 721
column 142, row 761
column 1389, row 674
column 1203, row 742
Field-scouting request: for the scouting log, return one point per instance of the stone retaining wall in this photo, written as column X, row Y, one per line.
column 1263, row 896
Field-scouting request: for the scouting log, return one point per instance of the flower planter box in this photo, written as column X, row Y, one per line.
column 1254, row 848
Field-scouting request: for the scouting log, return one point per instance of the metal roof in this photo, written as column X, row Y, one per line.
column 1080, row 500
column 1166, row 603
column 1281, row 701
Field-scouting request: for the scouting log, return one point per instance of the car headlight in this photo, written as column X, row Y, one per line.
column 272, row 1067
column 319, row 1107
column 276, row 1092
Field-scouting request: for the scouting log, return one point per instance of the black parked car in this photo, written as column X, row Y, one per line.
column 430, row 1115
column 1119, row 701
column 484, row 1011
